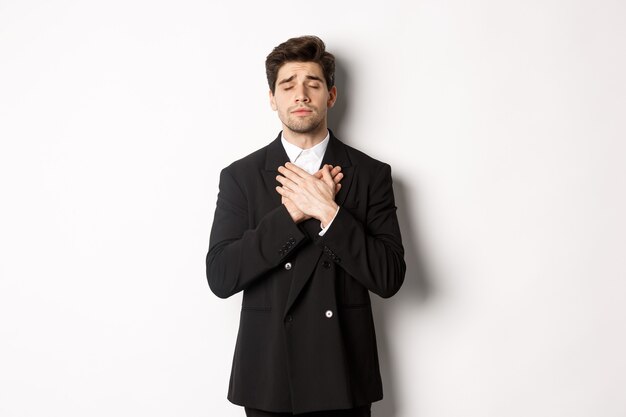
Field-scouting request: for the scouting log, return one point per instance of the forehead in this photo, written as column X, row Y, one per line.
column 289, row 69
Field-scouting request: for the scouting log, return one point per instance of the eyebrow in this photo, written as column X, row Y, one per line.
column 308, row 77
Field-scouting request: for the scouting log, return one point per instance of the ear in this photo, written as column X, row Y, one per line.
column 273, row 101
column 332, row 97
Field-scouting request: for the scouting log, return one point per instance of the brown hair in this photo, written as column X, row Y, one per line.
column 302, row 49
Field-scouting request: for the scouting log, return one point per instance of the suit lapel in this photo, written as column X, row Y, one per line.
column 275, row 156
column 336, row 154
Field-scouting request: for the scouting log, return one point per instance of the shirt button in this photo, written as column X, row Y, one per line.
column 329, row 313
column 288, row 266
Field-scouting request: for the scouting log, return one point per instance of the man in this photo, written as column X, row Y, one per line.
column 305, row 227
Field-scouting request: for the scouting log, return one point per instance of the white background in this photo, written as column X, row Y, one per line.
column 504, row 122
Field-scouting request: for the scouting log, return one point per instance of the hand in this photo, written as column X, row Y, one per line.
column 335, row 173
column 296, row 214
column 330, row 176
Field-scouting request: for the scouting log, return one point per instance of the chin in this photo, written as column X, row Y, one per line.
column 304, row 128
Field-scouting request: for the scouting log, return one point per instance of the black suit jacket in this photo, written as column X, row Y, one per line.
column 306, row 338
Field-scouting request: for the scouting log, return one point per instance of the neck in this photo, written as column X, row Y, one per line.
column 305, row 140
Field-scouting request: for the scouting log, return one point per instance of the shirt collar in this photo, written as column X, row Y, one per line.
column 294, row 151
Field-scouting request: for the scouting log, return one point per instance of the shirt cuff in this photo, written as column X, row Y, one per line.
column 325, row 229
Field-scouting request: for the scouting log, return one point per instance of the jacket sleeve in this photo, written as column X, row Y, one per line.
column 238, row 253
column 370, row 251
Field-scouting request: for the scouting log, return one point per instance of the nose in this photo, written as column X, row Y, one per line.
column 301, row 95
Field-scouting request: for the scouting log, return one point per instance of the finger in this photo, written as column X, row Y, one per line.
column 337, row 188
column 338, row 178
column 296, row 170
column 286, row 182
column 284, row 192
column 328, row 179
column 293, row 175
column 334, row 171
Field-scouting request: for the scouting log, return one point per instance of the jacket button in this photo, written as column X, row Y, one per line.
column 326, row 264
column 288, row 266
column 289, row 318
column 329, row 313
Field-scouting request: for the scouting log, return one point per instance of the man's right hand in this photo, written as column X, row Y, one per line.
column 335, row 177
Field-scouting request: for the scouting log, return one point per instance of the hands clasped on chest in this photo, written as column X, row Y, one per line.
column 308, row 196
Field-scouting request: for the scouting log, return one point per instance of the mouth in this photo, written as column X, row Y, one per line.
column 302, row 112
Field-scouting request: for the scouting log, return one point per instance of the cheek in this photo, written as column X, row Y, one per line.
column 279, row 104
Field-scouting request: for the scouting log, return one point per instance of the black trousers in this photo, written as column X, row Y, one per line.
column 364, row 411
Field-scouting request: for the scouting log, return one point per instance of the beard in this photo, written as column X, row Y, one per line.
column 306, row 124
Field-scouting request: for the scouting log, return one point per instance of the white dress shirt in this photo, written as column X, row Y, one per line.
column 309, row 160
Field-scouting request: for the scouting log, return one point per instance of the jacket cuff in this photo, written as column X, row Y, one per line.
column 286, row 235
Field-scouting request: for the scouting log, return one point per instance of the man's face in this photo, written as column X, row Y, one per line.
column 301, row 97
